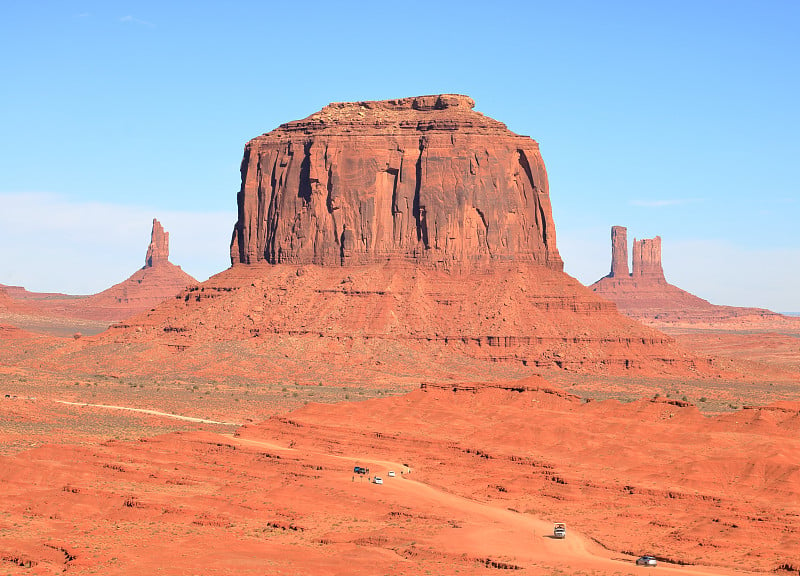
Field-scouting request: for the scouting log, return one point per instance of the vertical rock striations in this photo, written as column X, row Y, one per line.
column 425, row 179
column 158, row 250
column 619, row 252
column 647, row 259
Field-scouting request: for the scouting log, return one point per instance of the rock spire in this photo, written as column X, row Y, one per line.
column 647, row 259
column 619, row 252
column 158, row 250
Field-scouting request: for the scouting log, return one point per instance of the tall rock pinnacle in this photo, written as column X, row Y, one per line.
column 646, row 294
column 158, row 250
column 426, row 179
column 619, row 252
column 647, row 258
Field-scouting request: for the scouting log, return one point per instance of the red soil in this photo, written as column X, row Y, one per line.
column 489, row 470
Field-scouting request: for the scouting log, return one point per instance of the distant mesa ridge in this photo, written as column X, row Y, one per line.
column 426, row 179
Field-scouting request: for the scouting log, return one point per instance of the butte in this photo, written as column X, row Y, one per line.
column 393, row 240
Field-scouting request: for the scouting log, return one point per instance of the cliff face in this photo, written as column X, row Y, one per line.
column 426, row 179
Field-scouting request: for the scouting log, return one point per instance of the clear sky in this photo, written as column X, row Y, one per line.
column 673, row 118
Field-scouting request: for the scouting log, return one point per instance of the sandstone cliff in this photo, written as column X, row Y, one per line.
column 619, row 252
column 427, row 179
column 393, row 240
column 647, row 259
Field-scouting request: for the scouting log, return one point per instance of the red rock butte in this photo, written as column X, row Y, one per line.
column 414, row 225
column 425, row 178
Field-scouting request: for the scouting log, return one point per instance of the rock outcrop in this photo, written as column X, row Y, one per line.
column 158, row 250
column 619, row 252
column 647, row 259
column 156, row 281
column 645, row 294
column 426, row 179
column 413, row 235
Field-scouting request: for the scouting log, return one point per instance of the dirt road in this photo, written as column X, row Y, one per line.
column 478, row 529
column 151, row 412
column 484, row 530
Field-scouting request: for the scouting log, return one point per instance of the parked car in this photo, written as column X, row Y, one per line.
column 377, row 480
column 391, row 474
column 646, row 561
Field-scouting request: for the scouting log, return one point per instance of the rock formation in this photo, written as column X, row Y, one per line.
column 373, row 233
column 619, row 252
column 156, row 281
column 426, row 179
column 646, row 295
column 158, row 250
column 647, row 259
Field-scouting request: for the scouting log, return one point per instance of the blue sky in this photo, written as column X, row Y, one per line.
column 672, row 118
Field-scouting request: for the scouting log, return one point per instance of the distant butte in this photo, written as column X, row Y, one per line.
column 645, row 294
column 158, row 280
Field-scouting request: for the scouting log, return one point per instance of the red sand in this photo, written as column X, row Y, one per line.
column 489, row 471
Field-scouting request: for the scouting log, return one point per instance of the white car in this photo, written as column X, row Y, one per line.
column 646, row 561
column 377, row 480
column 391, row 474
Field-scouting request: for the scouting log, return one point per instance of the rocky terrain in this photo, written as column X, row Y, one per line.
column 396, row 302
column 481, row 472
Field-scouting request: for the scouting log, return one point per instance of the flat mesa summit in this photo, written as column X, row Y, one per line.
column 426, row 179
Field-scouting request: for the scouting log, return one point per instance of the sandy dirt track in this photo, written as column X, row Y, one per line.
column 486, row 530
column 151, row 413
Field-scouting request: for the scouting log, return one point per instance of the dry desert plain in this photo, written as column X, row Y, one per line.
column 396, row 302
column 709, row 484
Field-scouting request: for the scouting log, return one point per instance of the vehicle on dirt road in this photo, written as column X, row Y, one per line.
column 378, row 480
column 646, row 561
column 559, row 530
